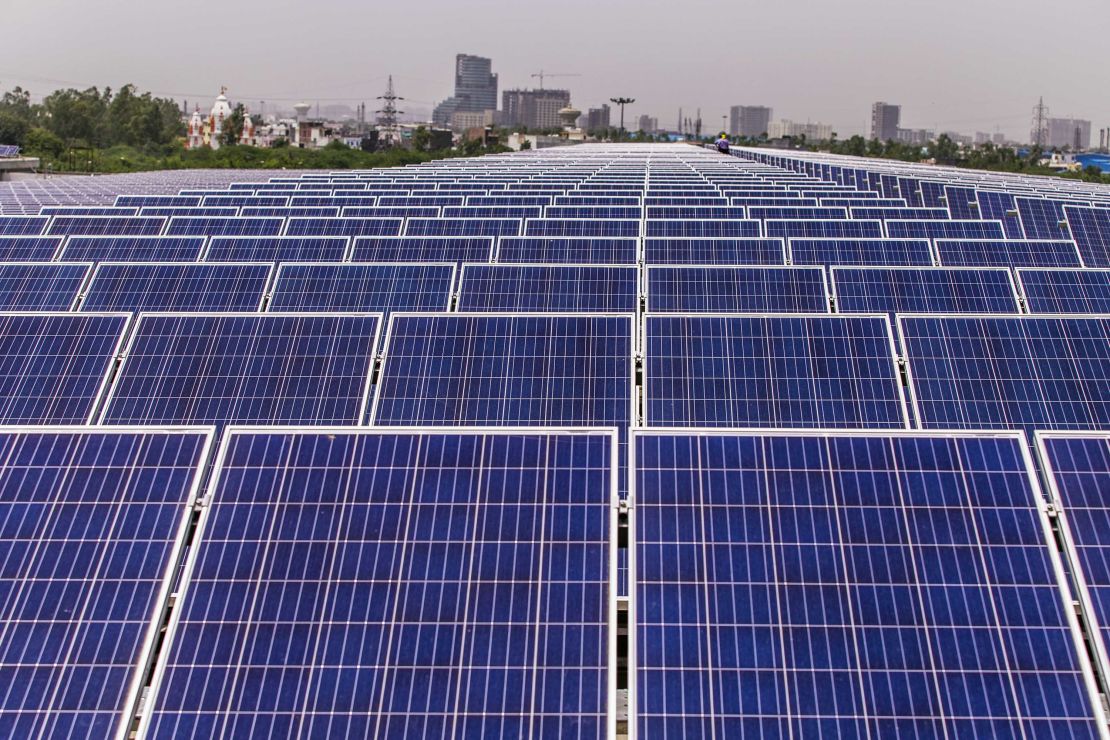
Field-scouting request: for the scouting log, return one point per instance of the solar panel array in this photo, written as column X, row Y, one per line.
column 596, row 441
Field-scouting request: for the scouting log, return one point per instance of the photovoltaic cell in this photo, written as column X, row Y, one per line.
column 29, row 248
column 462, row 227
column 944, row 229
column 1002, row 207
column 771, row 371
column 568, row 250
column 1007, row 253
column 1091, row 229
column 923, row 290
column 363, row 287
column 132, row 248
column 106, row 225
column 39, row 286
column 351, row 227
column 277, row 249
column 682, row 251
column 692, row 228
column 854, row 585
column 1042, row 218
column 990, row 372
column 54, row 366
column 581, row 227
column 90, row 526
column 502, row 287
column 764, row 213
column 224, row 226
column 825, row 229
column 245, row 368
column 455, row 249
column 398, row 584
column 132, row 286
column 720, row 289
column 23, row 225
column 1065, row 291
column 907, row 252
column 908, row 214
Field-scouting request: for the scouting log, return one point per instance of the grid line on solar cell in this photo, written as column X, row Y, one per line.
column 771, row 370
column 568, row 250
column 41, row 286
column 992, row 372
column 736, row 289
column 535, row 287
column 167, row 286
column 885, row 252
column 23, row 225
column 226, row 368
column 492, row 613
column 355, row 286
column 895, row 290
column 1006, row 253
column 276, row 248
column 1042, row 218
column 29, row 248
column 1090, row 227
column 1065, row 291
column 847, row 583
column 1003, row 207
column 92, row 524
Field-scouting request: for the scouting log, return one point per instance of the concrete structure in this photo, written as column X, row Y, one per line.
column 597, row 118
column 533, row 109
column 1073, row 133
column 464, row 120
column 885, row 119
column 475, row 89
column 648, row 125
column 205, row 131
column 914, row 136
column 17, row 165
column 749, row 120
column 812, row 131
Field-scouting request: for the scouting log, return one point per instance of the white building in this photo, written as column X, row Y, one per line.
column 206, row 131
column 812, row 131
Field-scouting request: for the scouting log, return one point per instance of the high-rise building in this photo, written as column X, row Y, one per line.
column 597, row 118
column 648, row 124
column 885, row 119
column 534, row 109
column 1069, row 132
column 475, row 89
column 749, row 120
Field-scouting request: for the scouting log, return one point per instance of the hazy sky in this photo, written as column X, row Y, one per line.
column 963, row 65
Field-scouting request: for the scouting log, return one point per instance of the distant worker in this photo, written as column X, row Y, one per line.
column 722, row 143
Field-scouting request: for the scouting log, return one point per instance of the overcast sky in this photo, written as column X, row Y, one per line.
column 962, row 65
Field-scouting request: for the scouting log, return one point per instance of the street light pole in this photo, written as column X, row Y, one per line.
column 622, row 102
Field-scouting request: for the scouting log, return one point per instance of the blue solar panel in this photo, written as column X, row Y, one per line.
column 158, row 201
column 568, row 250
column 363, row 287
column 961, row 203
column 1042, row 219
column 462, row 227
column 825, row 229
column 277, row 249
column 506, row 200
column 493, row 212
column 53, row 367
column 23, row 225
column 681, row 201
column 944, row 229
column 771, row 371
column 907, row 214
column 273, row 201
column 864, row 585
column 87, row 211
column 311, row 201
column 132, row 286
column 605, row 288
column 132, row 248
column 1091, row 230
column 696, row 212
column 500, row 370
column 1006, row 253
column 40, row 286
column 932, row 194
column 594, row 212
column 171, row 212
column 863, row 202
column 722, row 289
column 860, row 252
column 693, row 228
column 989, row 372
column 106, row 226
column 764, row 213
column 91, row 522
column 245, row 369
column 1065, row 291
column 351, row 227
column 776, row 202
column 581, row 227
column 405, row 201
column 450, row 584
column 910, row 191
column 219, row 226
column 1001, row 207
column 697, row 251
column 923, row 290
column 297, row 212
column 29, row 248
column 424, row 249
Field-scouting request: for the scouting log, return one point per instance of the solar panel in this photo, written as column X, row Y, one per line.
column 40, row 286
column 604, row 288
column 907, row 214
column 825, row 229
column 167, row 286
column 272, row 201
column 693, row 228
column 106, row 225
column 685, row 289
column 505, row 200
column 852, row 584
column 363, row 287
column 894, row 290
column 132, row 248
column 54, row 366
column 944, row 229
column 1042, row 219
column 961, row 203
column 506, row 369
column 405, row 201
column 222, row 226
column 764, row 213
column 1007, row 253
column 171, row 212
column 315, row 201
column 295, row 212
column 1091, row 230
column 990, row 372
column 29, row 248
column 351, row 227
column 244, row 368
column 424, row 249
column 581, row 227
column 23, row 225
column 276, row 248
column 87, row 211
column 771, row 371
column 1001, row 207
column 697, row 212
column 493, row 212
column 1065, row 291
column 698, row 251
column 568, row 250
column 860, row 252
column 92, row 529
column 462, row 227
column 158, row 201
column 452, row 584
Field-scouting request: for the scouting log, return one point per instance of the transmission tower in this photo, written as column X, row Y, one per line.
column 1040, row 115
column 387, row 116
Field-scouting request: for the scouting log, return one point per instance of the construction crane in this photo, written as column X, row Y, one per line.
column 541, row 74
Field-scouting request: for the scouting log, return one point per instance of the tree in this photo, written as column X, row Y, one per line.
column 233, row 126
column 945, row 151
column 77, row 116
column 13, row 129
column 421, row 139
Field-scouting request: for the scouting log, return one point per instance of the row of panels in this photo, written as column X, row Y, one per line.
column 347, row 582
